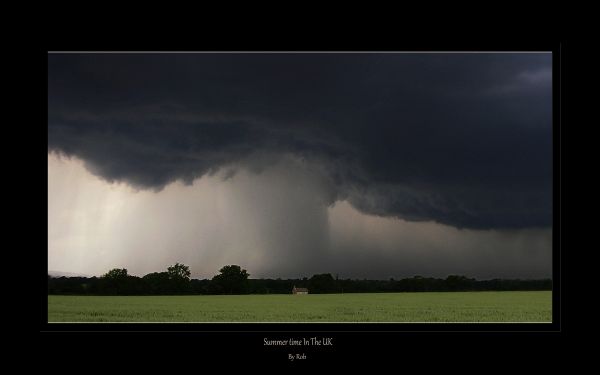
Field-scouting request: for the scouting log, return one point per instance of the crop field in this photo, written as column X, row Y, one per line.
column 359, row 307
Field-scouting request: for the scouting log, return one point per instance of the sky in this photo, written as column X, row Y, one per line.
column 363, row 165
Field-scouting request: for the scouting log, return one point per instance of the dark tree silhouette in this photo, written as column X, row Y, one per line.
column 117, row 281
column 457, row 282
column 179, row 271
column 116, row 274
column 179, row 278
column 323, row 283
column 232, row 280
column 158, row 283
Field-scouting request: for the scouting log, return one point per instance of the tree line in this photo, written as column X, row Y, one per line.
column 232, row 279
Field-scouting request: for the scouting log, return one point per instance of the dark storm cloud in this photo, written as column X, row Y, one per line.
column 462, row 139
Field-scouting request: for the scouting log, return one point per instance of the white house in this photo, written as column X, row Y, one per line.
column 299, row 290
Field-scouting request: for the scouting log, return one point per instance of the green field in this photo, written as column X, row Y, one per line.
column 360, row 307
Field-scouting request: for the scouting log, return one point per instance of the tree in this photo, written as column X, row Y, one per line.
column 232, row 279
column 179, row 278
column 116, row 274
column 323, row 283
column 457, row 282
column 157, row 282
column 179, row 271
column 114, row 281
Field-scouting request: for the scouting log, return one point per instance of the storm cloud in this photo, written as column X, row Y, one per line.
column 459, row 139
column 369, row 165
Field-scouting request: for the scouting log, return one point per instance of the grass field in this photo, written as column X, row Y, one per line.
column 371, row 307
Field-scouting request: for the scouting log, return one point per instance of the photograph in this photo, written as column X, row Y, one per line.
column 338, row 189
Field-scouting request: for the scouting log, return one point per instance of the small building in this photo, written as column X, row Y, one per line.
column 299, row 290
